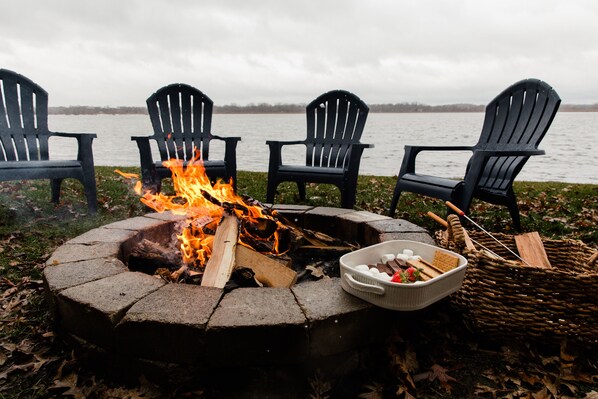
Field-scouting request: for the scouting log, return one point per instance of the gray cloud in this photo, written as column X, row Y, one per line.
column 118, row 52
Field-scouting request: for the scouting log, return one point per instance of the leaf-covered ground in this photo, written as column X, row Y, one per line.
column 431, row 355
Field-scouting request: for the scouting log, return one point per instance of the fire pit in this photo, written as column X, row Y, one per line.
column 140, row 323
column 148, row 326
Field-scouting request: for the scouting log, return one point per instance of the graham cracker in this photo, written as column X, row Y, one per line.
column 445, row 261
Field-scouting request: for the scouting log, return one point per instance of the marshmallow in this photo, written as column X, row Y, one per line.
column 415, row 257
column 386, row 257
column 383, row 276
column 374, row 272
column 362, row 268
column 408, row 252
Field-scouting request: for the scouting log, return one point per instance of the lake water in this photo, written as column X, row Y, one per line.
column 570, row 144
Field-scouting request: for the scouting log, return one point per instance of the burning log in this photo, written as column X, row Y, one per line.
column 148, row 256
column 222, row 261
column 268, row 271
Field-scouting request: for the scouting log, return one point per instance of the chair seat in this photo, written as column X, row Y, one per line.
column 430, row 185
column 7, row 165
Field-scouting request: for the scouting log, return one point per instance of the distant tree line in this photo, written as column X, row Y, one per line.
column 264, row 108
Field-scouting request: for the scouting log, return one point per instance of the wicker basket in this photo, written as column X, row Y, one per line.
column 503, row 299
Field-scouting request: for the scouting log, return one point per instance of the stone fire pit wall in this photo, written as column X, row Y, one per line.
column 136, row 319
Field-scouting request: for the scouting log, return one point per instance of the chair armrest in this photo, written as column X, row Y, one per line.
column 363, row 145
column 281, row 143
column 509, row 152
column 84, row 142
column 145, row 154
column 355, row 156
column 227, row 139
column 411, row 152
column 75, row 135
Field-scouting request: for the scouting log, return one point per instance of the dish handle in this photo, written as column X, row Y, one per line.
column 363, row 287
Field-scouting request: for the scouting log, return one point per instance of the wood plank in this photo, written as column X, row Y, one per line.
column 222, row 261
column 268, row 271
column 531, row 249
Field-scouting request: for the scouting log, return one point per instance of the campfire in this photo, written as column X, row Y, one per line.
column 224, row 235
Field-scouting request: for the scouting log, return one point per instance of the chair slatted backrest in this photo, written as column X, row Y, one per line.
column 335, row 120
column 518, row 118
column 181, row 116
column 23, row 119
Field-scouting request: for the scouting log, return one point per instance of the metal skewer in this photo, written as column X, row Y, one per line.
column 461, row 213
column 445, row 224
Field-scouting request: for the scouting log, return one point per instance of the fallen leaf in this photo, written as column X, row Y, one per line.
column 439, row 373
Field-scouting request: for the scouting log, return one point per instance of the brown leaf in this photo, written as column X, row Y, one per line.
column 439, row 373
column 68, row 386
column 374, row 391
column 542, row 394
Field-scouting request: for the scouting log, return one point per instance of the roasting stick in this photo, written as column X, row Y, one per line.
column 461, row 213
column 444, row 223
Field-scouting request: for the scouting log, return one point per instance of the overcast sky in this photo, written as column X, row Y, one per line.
column 117, row 52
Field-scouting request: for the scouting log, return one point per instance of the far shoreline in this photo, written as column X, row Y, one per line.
column 266, row 109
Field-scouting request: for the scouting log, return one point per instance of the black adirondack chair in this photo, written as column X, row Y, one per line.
column 515, row 122
column 24, row 140
column 181, row 116
column 335, row 123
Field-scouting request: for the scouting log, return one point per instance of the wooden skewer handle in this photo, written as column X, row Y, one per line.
column 454, row 208
column 437, row 218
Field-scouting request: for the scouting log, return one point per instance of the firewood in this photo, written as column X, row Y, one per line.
column 222, row 260
column 268, row 271
column 147, row 256
column 531, row 249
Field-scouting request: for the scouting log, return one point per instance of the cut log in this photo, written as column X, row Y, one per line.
column 148, row 256
column 268, row 271
column 531, row 249
column 222, row 260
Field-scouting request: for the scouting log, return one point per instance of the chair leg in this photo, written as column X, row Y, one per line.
column 395, row 201
column 271, row 191
column 301, row 188
column 89, row 185
column 514, row 211
column 55, row 190
column 347, row 198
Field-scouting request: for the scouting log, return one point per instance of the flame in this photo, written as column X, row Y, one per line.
column 203, row 204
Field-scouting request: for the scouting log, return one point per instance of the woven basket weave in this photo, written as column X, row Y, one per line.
column 503, row 299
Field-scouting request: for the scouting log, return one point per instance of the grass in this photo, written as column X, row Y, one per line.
column 31, row 228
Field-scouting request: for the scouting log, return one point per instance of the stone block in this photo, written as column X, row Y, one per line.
column 136, row 223
column 171, row 321
column 66, row 275
column 339, row 322
column 102, row 234
column 324, row 219
column 373, row 229
column 350, row 226
column 257, row 326
column 419, row 237
column 78, row 252
column 92, row 310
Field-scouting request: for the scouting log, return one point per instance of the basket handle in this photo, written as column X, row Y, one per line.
column 593, row 259
column 363, row 287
